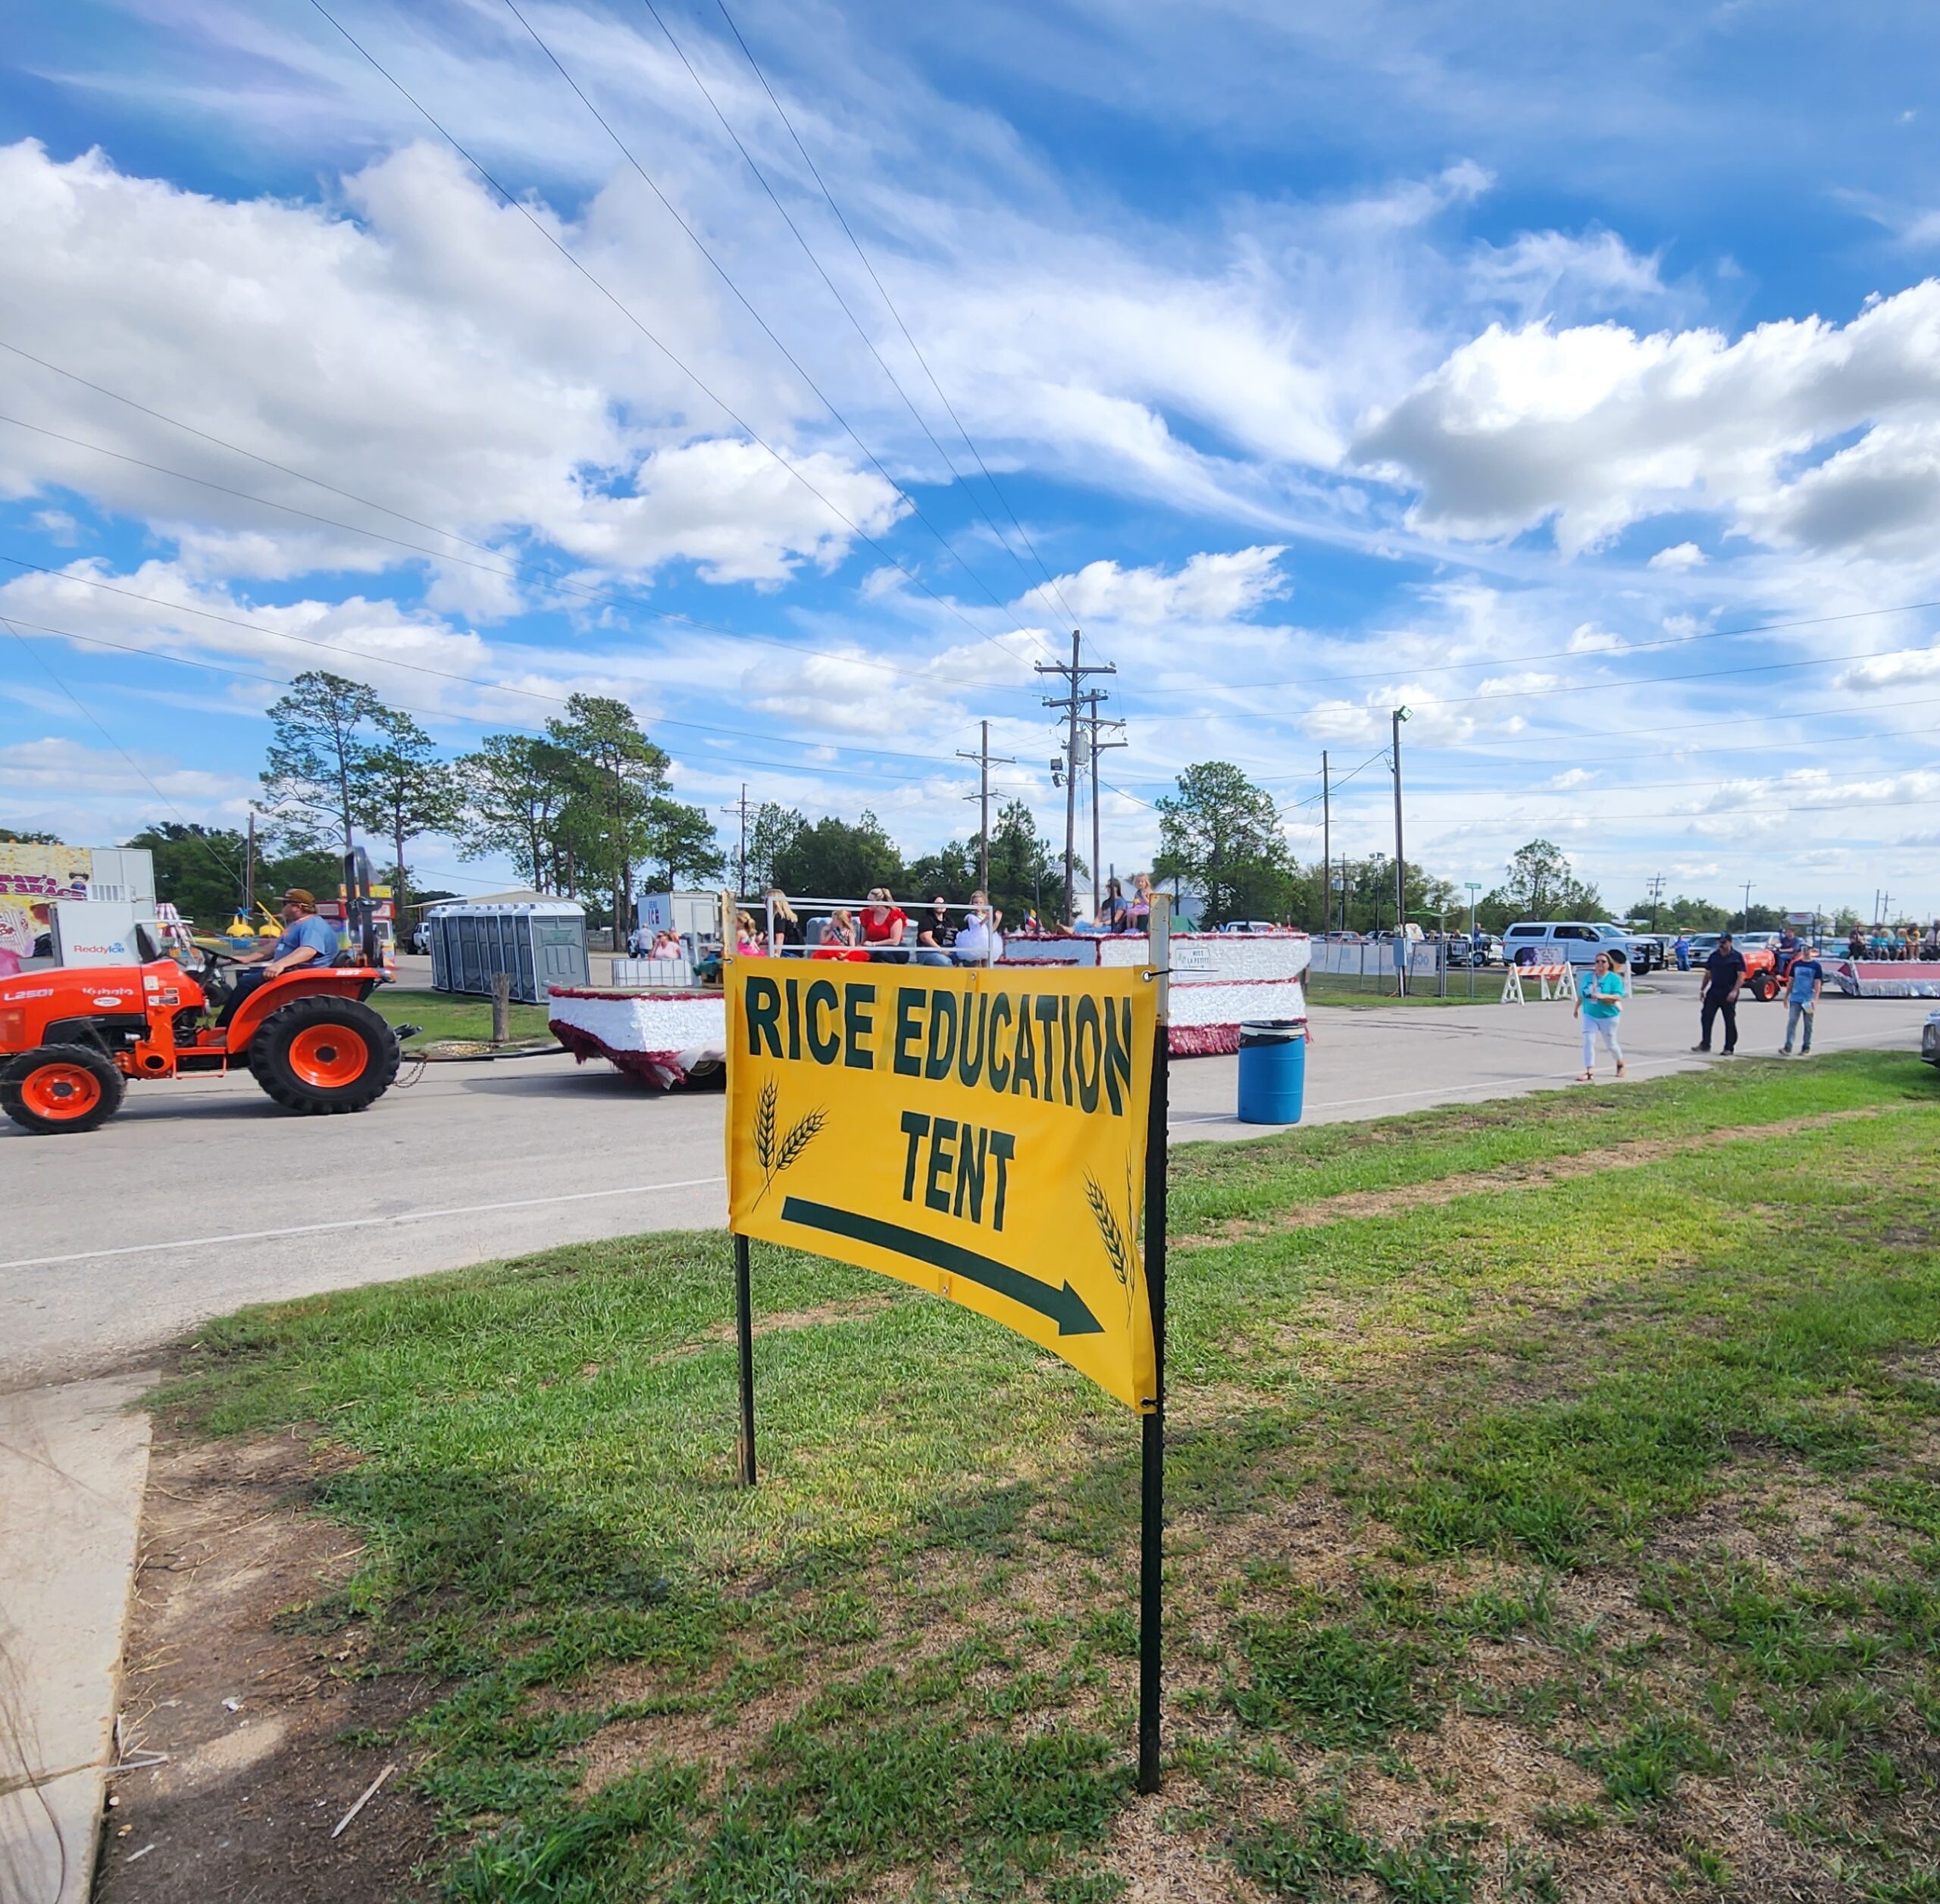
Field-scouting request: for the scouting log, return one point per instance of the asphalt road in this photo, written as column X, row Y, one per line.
column 201, row 1197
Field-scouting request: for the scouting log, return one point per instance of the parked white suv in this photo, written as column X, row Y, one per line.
column 1564, row 942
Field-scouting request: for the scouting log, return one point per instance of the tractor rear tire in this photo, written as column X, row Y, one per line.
column 321, row 1055
column 57, row 1089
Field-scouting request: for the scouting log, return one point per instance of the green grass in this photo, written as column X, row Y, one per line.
column 1331, row 988
column 444, row 1014
column 1632, row 1477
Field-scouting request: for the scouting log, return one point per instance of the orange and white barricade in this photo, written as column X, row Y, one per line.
column 1552, row 982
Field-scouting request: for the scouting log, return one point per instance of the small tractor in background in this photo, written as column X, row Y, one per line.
column 1768, row 969
column 71, row 1037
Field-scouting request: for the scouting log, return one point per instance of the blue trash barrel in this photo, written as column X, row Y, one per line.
column 1272, row 1070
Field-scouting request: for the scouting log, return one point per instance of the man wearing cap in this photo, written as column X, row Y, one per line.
column 1724, row 972
column 306, row 940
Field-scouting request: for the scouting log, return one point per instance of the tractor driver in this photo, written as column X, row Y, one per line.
column 306, row 940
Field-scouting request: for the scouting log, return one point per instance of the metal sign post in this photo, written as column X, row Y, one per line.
column 744, row 1307
column 1152, row 1478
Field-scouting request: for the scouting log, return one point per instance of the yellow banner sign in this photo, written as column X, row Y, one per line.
column 979, row 1133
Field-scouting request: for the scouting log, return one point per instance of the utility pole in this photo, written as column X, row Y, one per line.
column 1326, row 847
column 1093, row 721
column 985, row 760
column 1072, row 673
column 1656, row 897
column 740, row 807
column 1400, row 866
column 1747, row 905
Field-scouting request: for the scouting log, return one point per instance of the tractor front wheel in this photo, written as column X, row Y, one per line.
column 57, row 1088
column 321, row 1055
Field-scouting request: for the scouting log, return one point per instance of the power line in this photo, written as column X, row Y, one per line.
column 447, row 713
column 809, row 252
column 1569, row 654
column 1761, row 747
column 1585, row 687
column 607, row 594
column 814, row 172
column 1685, row 726
column 1830, row 804
column 378, row 660
column 610, row 594
column 227, row 869
column 700, row 383
column 1447, row 789
column 768, row 330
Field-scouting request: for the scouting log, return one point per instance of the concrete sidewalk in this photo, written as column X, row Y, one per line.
column 74, row 1461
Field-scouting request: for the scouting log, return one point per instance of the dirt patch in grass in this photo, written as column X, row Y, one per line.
column 250, row 1709
column 1531, row 1175
column 821, row 1315
column 700, row 1737
column 1163, row 1862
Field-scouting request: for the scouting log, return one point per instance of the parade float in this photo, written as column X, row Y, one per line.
column 1884, row 978
column 669, row 1036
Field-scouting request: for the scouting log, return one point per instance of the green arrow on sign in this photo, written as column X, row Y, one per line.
column 1064, row 1306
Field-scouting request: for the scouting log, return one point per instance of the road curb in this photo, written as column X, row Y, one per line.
column 73, row 1466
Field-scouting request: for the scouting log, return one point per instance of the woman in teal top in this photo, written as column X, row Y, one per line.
column 1600, row 1004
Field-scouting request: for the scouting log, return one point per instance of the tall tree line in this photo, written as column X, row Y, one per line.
column 583, row 808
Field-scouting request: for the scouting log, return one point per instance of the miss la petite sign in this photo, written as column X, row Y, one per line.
column 978, row 1132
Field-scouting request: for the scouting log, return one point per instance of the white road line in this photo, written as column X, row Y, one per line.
column 359, row 1223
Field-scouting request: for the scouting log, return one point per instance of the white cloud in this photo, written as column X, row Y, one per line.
column 1877, row 671
column 1553, row 274
column 1593, row 427
column 419, row 345
column 1678, row 557
column 95, row 796
column 848, row 695
column 1209, row 587
column 417, row 661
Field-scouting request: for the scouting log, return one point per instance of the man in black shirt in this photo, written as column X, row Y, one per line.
column 1724, row 972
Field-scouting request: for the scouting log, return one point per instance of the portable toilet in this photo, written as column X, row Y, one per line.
column 536, row 943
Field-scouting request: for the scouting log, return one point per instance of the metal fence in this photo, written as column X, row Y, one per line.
column 1368, row 965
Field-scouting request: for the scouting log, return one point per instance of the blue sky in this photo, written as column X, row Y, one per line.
column 1499, row 362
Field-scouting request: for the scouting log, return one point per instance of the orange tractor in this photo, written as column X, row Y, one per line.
column 70, row 1038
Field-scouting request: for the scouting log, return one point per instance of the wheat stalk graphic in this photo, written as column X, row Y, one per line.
column 775, row 1157
column 765, row 1124
column 1117, row 1238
